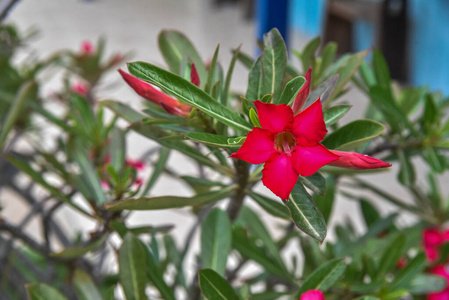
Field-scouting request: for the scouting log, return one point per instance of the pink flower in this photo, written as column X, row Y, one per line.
column 135, row 164
column 357, row 161
column 288, row 145
column 433, row 238
column 80, row 88
column 302, row 94
column 194, row 77
column 147, row 91
column 313, row 295
column 442, row 271
column 87, row 48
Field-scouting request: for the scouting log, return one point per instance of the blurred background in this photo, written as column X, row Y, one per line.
column 412, row 34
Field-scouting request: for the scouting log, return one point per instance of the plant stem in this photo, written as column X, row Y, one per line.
column 241, row 179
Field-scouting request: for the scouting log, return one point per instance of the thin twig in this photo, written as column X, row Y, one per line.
column 6, row 8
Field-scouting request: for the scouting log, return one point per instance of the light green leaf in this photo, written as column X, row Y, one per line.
column 255, row 81
column 291, row 89
column 211, row 72
column 174, row 47
column 189, row 93
column 156, row 276
column 132, row 268
column 211, row 139
column 305, row 213
column 424, row 284
column 85, row 287
column 274, row 63
column 117, row 149
column 235, row 56
column 353, row 134
column 273, row 207
column 165, row 202
column 335, row 113
column 324, row 277
column 123, row 110
column 40, row 291
column 391, row 256
column 216, row 239
column 254, row 118
column 215, row 287
column 76, row 251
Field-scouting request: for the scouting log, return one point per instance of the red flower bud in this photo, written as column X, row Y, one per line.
column 194, row 77
column 147, row 91
column 302, row 94
column 357, row 161
column 87, row 48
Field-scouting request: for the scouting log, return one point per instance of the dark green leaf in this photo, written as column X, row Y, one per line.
column 216, row 239
column 165, row 202
column 381, row 71
column 273, row 207
column 211, row 139
column 76, row 251
column 323, row 91
column 164, row 154
column 85, row 287
column 305, row 213
column 307, row 56
column 174, row 46
column 189, row 93
column 211, row 72
column 335, row 113
column 412, row 269
column 255, row 81
column 327, row 57
column 406, row 173
column 391, row 256
column 132, row 267
column 315, row 182
column 123, row 110
column 434, row 159
column 40, row 291
column 224, row 99
column 369, row 212
column 353, row 134
column 324, row 277
column 274, row 63
column 215, row 287
column 156, row 276
column 326, row 202
column 290, row 91
column 117, row 149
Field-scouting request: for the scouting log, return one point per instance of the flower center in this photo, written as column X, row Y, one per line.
column 285, row 142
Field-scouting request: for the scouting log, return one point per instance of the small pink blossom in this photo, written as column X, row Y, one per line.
column 312, row 295
column 135, row 164
column 87, row 48
column 433, row 238
column 80, row 88
column 442, row 271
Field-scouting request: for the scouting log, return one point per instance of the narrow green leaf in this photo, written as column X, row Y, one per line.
column 76, row 251
column 305, row 213
column 291, row 89
column 211, row 72
column 85, row 287
column 353, row 134
column 41, row 291
column 327, row 57
column 434, row 159
column 117, row 149
column 325, row 203
column 406, row 174
column 324, row 277
column 245, row 59
column 381, row 71
column 254, row 118
column 255, row 81
column 369, row 212
column 315, row 182
column 15, row 109
column 235, row 57
column 123, row 110
column 274, row 63
column 132, row 268
column 323, row 91
column 156, row 276
column 424, row 284
column 174, row 46
column 307, row 56
column 215, row 287
column 189, row 93
column 164, row 154
column 211, row 139
column 165, row 202
column 412, row 269
column 216, row 239
column 335, row 113
column 391, row 256
column 273, row 207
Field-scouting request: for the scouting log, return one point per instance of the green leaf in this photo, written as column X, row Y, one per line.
column 123, row 110
column 76, row 251
column 406, row 174
column 156, row 276
column 189, row 93
column 235, row 57
column 307, row 56
column 274, row 63
column 411, row 269
column 15, row 110
column 165, row 202
column 117, row 149
column 85, row 287
column 305, row 213
column 254, row 118
column 291, row 89
column 424, row 284
column 315, row 182
column 132, row 267
column 216, row 239
column 40, row 291
column 381, row 71
column 353, row 134
column 323, row 91
column 326, row 202
column 434, row 159
column 164, row 154
column 215, row 287
column 174, row 46
column 324, row 277
column 369, row 212
column 211, row 72
column 335, row 113
column 211, row 139
column 273, row 207
column 327, row 57
column 237, row 141
column 391, row 256
column 255, row 81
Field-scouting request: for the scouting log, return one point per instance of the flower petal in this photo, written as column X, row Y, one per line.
column 309, row 126
column 307, row 160
column 279, row 175
column 313, row 295
column 357, row 161
column 301, row 97
column 274, row 117
column 194, row 77
column 257, row 148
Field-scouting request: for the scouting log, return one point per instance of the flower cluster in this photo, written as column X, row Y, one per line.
column 433, row 240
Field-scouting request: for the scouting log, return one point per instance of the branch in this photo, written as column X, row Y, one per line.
column 6, row 8
column 241, row 178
